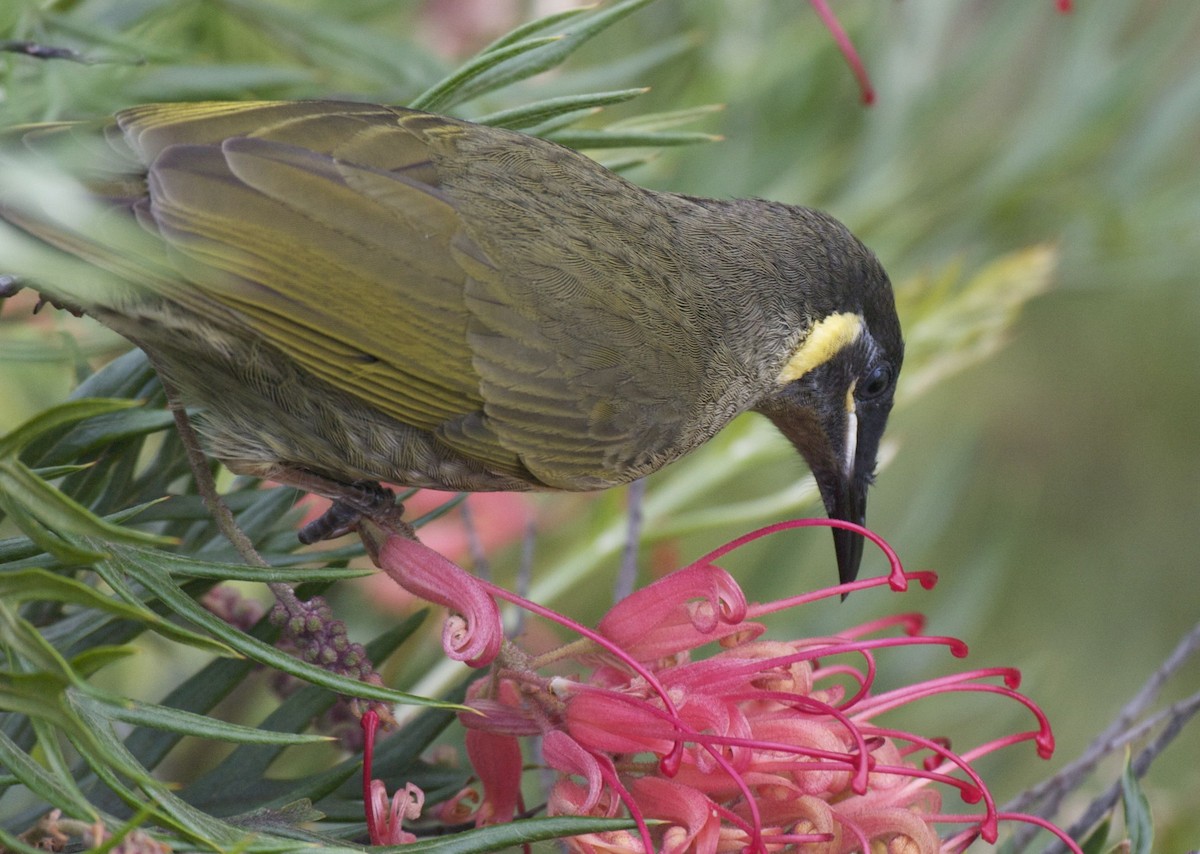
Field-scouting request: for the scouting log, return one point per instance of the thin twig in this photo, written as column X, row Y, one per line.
column 285, row 596
column 205, row 485
column 1054, row 790
column 483, row 568
column 1179, row 714
column 627, row 574
column 525, row 572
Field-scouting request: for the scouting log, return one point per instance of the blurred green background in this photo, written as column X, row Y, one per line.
column 1056, row 486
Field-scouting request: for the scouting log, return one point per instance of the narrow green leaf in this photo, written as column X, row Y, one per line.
column 106, row 429
column 623, row 164
column 448, row 90
column 1097, row 840
column 497, row 837
column 541, row 111
column 198, row 695
column 666, row 119
column 50, row 750
column 61, row 513
column 96, row 658
column 629, row 139
column 24, row 641
column 35, row 584
column 56, row 417
column 293, row 821
column 39, row 584
column 55, row 472
column 14, row 549
column 532, row 28
column 273, row 791
column 1139, row 823
column 61, row 793
column 186, row 723
column 127, row 376
column 439, row 511
column 548, row 56
column 111, row 762
column 44, row 538
column 548, row 127
column 190, row 508
column 187, row 567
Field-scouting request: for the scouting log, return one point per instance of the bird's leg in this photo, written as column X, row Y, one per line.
column 362, row 499
column 11, row 285
column 352, row 502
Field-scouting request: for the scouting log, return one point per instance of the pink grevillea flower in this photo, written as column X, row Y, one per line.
column 473, row 633
column 681, row 708
column 384, row 817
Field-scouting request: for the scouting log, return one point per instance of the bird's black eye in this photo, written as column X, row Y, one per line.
column 875, row 383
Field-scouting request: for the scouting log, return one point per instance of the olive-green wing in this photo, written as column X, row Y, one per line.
column 321, row 225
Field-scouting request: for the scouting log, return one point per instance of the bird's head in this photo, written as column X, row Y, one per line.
column 832, row 397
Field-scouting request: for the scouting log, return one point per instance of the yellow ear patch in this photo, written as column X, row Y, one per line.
column 824, row 341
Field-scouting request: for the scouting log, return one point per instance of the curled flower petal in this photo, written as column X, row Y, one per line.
column 386, row 818
column 459, row 809
column 474, row 632
column 566, row 755
column 695, row 820
column 812, row 817
column 689, row 607
column 901, row 829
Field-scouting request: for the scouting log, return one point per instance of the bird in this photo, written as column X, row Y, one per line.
column 350, row 293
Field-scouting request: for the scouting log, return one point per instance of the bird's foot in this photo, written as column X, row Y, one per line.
column 10, row 286
column 355, row 502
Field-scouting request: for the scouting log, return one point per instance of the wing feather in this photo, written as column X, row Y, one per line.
column 310, row 263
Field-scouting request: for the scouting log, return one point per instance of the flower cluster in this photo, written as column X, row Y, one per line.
column 679, row 712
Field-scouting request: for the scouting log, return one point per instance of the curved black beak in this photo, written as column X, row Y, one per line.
column 846, row 499
column 840, row 449
column 838, row 435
